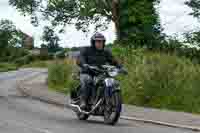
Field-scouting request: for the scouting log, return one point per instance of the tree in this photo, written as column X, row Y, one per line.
column 51, row 39
column 9, row 36
column 194, row 36
column 83, row 13
column 195, row 5
column 142, row 25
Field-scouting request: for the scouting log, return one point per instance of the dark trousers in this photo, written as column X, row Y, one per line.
column 86, row 86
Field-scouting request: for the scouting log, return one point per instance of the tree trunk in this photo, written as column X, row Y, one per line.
column 116, row 17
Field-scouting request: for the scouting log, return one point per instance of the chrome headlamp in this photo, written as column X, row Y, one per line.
column 113, row 73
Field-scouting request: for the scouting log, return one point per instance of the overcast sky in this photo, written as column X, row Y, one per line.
column 173, row 13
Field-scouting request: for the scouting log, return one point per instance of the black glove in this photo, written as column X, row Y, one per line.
column 123, row 71
column 119, row 66
column 86, row 67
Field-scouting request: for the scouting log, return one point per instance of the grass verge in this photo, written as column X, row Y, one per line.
column 4, row 67
column 60, row 76
column 37, row 64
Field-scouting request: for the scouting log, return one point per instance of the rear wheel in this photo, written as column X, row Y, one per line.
column 82, row 116
column 113, row 109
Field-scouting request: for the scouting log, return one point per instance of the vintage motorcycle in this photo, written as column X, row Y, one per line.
column 106, row 101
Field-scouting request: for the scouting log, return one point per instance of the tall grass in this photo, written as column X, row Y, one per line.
column 60, row 75
column 161, row 81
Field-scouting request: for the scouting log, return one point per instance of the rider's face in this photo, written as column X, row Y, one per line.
column 99, row 44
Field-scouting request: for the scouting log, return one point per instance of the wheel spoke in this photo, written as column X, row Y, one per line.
column 112, row 111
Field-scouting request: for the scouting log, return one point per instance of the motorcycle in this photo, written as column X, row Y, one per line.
column 106, row 101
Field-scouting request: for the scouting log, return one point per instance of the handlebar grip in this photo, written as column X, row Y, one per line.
column 123, row 71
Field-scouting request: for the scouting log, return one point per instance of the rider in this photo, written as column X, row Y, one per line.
column 95, row 55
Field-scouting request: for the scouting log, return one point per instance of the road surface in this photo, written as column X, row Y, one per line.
column 22, row 115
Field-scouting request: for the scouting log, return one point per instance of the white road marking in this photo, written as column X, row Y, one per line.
column 161, row 123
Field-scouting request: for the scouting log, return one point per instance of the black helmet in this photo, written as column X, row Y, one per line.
column 97, row 37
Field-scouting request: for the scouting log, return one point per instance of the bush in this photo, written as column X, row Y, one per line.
column 60, row 76
column 5, row 59
column 13, row 53
column 37, row 64
column 4, row 67
column 60, row 54
column 50, row 56
column 25, row 60
column 43, row 57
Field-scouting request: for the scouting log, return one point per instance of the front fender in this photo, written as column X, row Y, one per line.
column 111, row 86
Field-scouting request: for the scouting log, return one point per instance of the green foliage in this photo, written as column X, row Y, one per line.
column 171, row 46
column 37, row 64
column 10, row 40
column 9, row 36
column 193, row 38
column 60, row 54
column 27, row 7
column 174, row 47
column 195, row 5
column 16, row 53
column 142, row 25
column 60, row 12
column 25, row 60
column 160, row 80
column 51, row 39
column 4, row 67
column 60, row 76
column 12, row 54
column 133, row 19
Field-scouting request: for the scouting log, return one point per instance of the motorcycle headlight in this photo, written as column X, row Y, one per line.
column 113, row 73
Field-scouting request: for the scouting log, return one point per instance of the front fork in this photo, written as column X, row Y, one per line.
column 112, row 88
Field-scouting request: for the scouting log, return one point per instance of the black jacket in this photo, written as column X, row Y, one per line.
column 91, row 56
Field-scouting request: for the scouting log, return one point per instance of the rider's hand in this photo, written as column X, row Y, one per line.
column 86, row 67
column 123, row 71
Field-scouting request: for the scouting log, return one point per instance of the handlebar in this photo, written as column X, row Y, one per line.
column 108, row 67
column 105, row 68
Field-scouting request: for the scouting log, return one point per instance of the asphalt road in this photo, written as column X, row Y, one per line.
column 22, row 115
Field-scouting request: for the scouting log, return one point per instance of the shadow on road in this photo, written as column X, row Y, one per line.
column 92, row 122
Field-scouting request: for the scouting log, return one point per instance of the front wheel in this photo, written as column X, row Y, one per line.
column 113, row 107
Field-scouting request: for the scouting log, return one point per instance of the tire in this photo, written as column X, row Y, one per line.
column 112, row 119
column 82, row 116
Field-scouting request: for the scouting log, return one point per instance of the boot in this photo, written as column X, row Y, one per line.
column 83, row 104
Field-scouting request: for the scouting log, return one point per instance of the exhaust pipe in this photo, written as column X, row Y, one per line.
column 77, row 108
